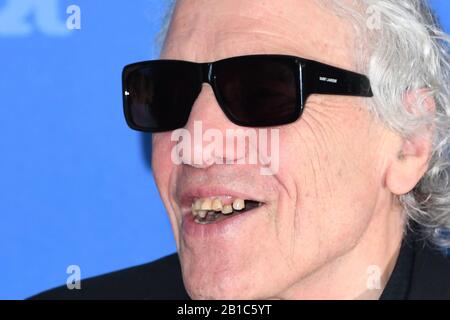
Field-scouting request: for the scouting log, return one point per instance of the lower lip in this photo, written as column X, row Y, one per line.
column 220, row 228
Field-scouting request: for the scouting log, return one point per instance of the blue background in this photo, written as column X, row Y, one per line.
column 75, row 182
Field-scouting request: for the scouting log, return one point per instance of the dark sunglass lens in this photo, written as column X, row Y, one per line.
column 259, row 91
column 159, row 95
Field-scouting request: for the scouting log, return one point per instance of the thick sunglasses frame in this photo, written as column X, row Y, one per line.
column 312, row 77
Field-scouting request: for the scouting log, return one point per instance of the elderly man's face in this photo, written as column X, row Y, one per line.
column 328, row 191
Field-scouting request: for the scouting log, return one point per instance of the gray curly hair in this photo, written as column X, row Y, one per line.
column 402, row 49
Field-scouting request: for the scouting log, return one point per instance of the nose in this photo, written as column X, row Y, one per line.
column 208, row 126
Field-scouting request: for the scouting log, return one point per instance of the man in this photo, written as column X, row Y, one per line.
column 357, row 98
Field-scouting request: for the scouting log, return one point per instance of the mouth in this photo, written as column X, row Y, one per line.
column 211, row 210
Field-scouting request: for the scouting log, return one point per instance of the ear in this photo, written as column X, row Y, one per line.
column 414, row 152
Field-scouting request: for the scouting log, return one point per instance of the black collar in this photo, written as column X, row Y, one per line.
column 421, row 271
column 398, row 286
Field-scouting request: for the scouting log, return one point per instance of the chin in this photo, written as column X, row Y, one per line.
column 209, row 278
column 225, row 288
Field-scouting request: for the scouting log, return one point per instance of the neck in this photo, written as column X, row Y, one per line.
column 362, row 272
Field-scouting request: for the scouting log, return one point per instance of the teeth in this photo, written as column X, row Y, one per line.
column 197, row 204
column 217, row 205
column 238, row 204
column 208, row 209
column 227, row 209
column 206, row 204
column 194, row 212
column 202, row 213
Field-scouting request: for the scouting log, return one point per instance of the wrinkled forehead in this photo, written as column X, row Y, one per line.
column 205, row 30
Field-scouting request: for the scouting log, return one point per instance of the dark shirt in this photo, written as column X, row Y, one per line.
column 421, row 272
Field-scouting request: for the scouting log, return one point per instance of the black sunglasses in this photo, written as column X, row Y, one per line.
column 253, row 90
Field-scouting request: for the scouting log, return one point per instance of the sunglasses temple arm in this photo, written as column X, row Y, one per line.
column 323, row 79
